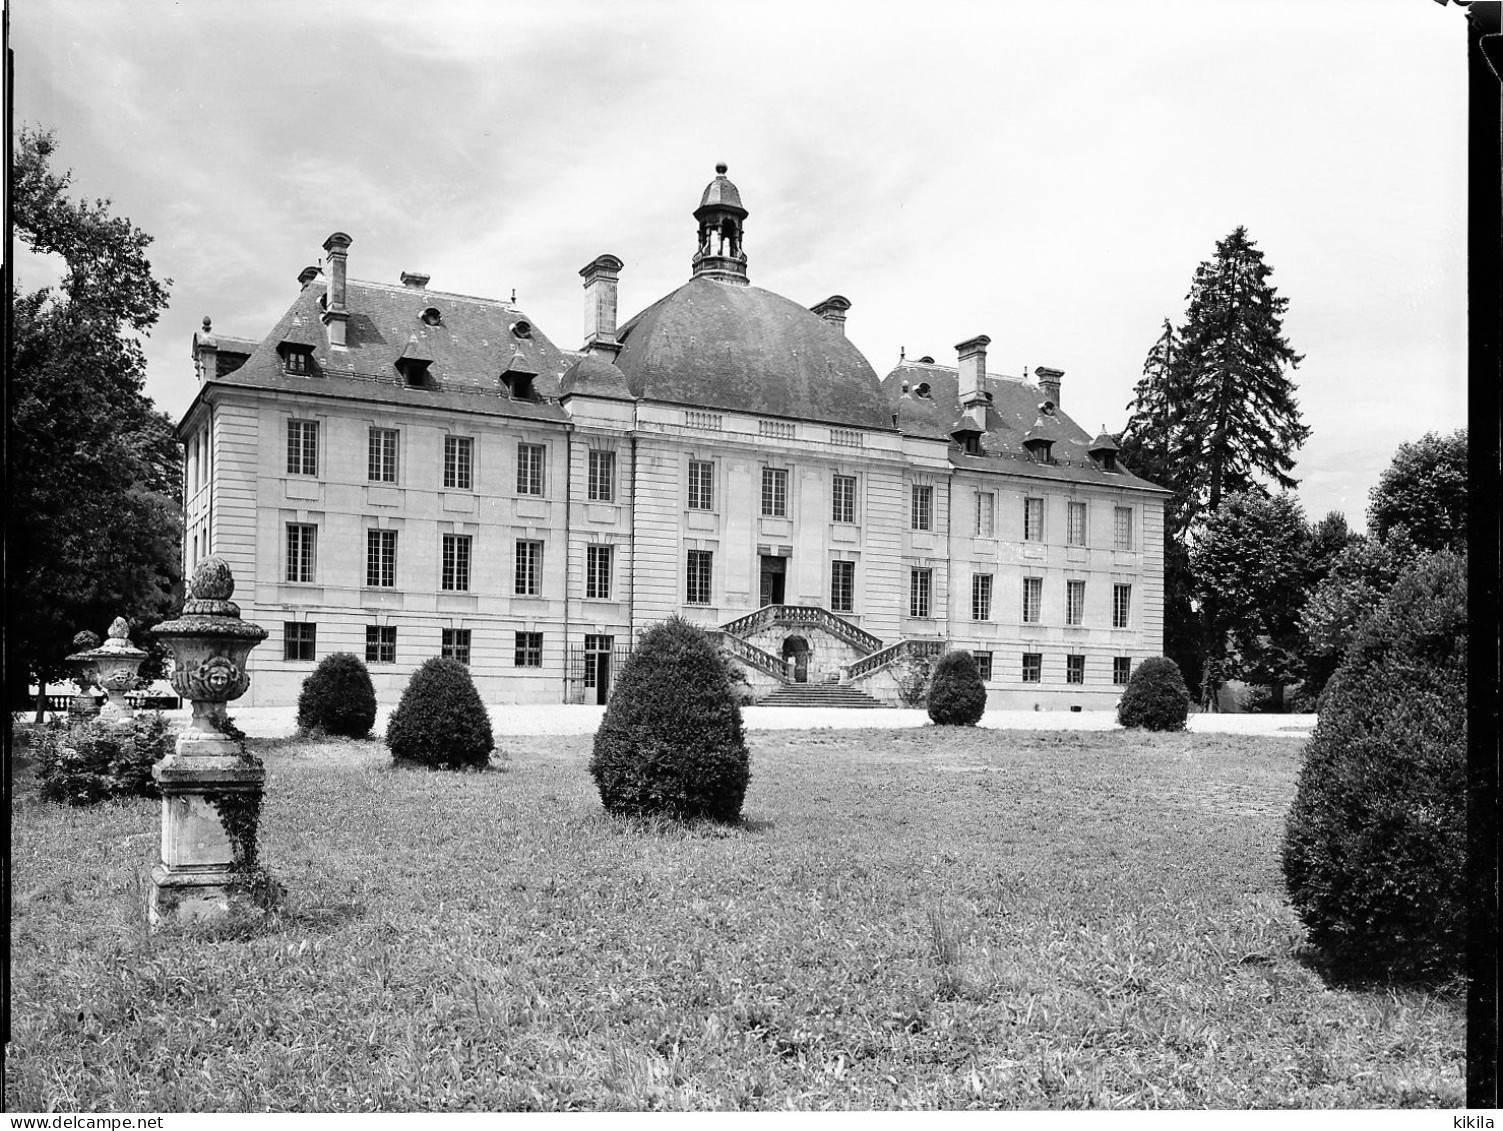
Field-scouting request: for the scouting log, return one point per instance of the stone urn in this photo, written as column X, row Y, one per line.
column 211, row 788
column 113, row 665
column 85, row 675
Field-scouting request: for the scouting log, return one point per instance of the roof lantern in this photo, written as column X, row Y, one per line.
column 719, row 255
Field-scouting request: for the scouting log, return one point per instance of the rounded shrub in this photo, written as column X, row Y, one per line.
column 957, row 697
column 338, row 698
column 440, row 721
column 671, row 741
column 1374, row 846
column 1155, row 697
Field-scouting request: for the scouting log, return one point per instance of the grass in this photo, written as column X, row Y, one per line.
column 932, row 918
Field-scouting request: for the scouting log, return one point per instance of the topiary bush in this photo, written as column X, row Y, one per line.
column 440, row 721
column 957, row 696
column 1374, row 846
column 671, row 741
column 1156, row 696
column 338, row 697
column 97, row 761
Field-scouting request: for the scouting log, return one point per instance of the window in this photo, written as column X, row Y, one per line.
column 1033, row 596
column 297, row 361
column 1033, row 667
column 1075, row 602
column 598, row 572
column 459, row 462
column 842, row 587
column 698, row 574
column 1074, row 669
column 302, row 447
column 1122, row 528
column 456, row 645
column 981, row 596
column 1076, row 513
column 923, row 508
column 701, row 485
column 1121, row 605
column 1033, row 520
column 774, row 492
column 920, row 583
column 381, row 558
column 380, row 644
column 456, row 567
column 984, row 666
column 986, row 514
column 1121, row 669
column 530, row 468
column 298, row 640
column 529, row 568
column 529, row 650
column 383, row 456
column 602, row 487
column 302, row 542
column 843, row 499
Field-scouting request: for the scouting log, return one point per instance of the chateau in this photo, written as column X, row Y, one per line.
column 400, row 473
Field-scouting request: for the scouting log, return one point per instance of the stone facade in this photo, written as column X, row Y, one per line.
column 448, row 480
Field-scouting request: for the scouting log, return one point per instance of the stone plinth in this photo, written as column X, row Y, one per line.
column 211, row 788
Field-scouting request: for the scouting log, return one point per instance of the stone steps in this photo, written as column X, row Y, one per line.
column 818, row 695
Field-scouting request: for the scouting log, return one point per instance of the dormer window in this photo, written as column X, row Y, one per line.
column 414, row 370
column 296, row 359
column 522, row 329
column 432, row 317
column 519, row 386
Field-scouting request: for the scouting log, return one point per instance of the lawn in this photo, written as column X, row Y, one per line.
column 930, row 918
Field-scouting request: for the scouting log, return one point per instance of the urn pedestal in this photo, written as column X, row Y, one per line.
column 113, row 666
column 211, row 788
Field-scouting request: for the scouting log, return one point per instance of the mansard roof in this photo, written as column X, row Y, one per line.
column 471, row 342
column 1012, row 413
column 744, row 349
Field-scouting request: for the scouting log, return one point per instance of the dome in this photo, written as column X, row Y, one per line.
column 744, row 349
column 593, row 376
column 720, row 193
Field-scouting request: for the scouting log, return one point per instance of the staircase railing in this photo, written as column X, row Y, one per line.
column 836, row 626
column 751, row 654
column 903, row 649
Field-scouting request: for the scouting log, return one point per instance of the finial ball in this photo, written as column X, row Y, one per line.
column 721, row 168
column 212, row 581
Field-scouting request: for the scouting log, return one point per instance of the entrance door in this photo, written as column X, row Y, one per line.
column 597, row 666
column 774, row 574
column 796, row 648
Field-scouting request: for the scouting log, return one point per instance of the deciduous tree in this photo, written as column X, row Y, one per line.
column 94, row 490
column 1424, row 492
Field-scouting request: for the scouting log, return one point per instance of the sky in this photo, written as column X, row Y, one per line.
column 1047, row 174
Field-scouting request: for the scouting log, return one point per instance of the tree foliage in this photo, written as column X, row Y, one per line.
column 94, row 492
column 1423, row 491
column 957, row 695
column 1250, row 567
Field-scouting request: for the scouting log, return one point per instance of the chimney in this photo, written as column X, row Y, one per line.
column 1048, row 380
column 205, row 352
column 832, row 310
column 972, row 378
column 415, row 281
column 600, row 279
column 336, row 314
column 307, row 275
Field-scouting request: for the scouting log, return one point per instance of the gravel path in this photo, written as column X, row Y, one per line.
column 556, row 718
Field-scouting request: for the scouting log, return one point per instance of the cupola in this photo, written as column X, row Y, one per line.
column 719, row 255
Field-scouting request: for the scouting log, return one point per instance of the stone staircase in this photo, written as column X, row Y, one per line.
column 818, row 695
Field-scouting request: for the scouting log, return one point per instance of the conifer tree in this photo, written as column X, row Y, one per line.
column 1241, row 418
